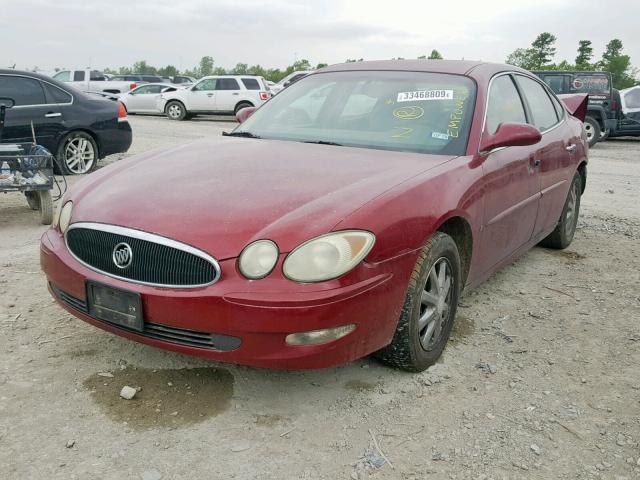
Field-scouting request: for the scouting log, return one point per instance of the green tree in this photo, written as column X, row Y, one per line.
column 618, row 64
column 321, row 65
column 205, row 67
column 585, row 54
column 435, row 55
column 521, row 57
column 141, row 66
column 241, row 69
column 543, row 50
column 168, row 71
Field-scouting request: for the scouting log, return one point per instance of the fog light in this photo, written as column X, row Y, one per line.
column 316, row 337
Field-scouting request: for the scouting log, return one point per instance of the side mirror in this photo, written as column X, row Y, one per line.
column 7, row 102
column 244, row 113
column 510, row 135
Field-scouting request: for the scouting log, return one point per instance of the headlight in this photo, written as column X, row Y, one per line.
column 64, row 218
column 328, row 256
column 258, row 259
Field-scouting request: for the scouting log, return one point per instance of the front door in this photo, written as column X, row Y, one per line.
column 511, row 184
column 202, row 96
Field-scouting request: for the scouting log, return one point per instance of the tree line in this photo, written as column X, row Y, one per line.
column 207, row 66
column 541, row 53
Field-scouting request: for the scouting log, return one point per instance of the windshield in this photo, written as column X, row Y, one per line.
column 403, row 111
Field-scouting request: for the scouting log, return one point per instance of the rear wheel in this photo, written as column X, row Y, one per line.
column 562, row 235
column 77, row 154
column 593, row 131
column 175, row 111
column 429, row 308
column 32, row 200
column 240, row 106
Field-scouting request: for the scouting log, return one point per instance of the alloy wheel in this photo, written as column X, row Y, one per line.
column 174, row 111
column 435, row 304
column 79, row 155
column 588, row 128
column 570, row 215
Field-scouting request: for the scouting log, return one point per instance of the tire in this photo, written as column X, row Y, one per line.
column 562, row 235
column 242, row 105
column 594, row 132
column 46, row 207
column 175, row 110
column 77, row 154
column 429, row 308
column 33, row 200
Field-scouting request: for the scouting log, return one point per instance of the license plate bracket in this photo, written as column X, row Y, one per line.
column 115, row 305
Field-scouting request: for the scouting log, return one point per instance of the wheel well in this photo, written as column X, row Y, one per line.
column 243, row 102
column 460, row 230
column 582, row 170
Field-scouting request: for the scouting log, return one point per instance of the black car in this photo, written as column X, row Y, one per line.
column 601, row 119
column 77, row 128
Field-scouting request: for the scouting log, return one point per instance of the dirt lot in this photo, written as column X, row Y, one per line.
column 540, row 380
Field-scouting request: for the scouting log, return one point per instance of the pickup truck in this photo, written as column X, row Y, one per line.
column 93, row 81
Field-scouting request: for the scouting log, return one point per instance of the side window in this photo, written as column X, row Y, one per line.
column 558, row 106
column 78, row 76
column 251, row 84
column 542, row 110
column 205, row 85
column 557, row 83
column 505, row 104
column 23, row 90
column 64, row 76
column 55, row 94
column 227, row 84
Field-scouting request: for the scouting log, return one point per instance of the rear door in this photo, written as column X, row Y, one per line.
column 145, row 98
column 512, row 188
column 553, row 155
column 31, row 108
column 227, row 94
column 202, row 96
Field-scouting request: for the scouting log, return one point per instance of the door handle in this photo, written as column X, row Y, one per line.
column 52, row 114
column 235, row 93
column 209, row 94
column 571, row 148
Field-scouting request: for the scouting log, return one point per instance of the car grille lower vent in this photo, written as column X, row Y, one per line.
column 181, row 336
column 155, row 260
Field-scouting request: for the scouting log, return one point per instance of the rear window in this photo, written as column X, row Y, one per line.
column 55, row 94
column 251, row 84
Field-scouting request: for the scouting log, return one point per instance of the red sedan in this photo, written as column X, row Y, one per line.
column 342, row 218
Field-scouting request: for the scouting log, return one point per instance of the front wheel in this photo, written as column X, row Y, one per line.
column 593, row 131
column 429, row 308
column 77, row 154
column 45, row 206
column 562, row 235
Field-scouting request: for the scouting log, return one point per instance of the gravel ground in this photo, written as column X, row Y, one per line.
column 540, row 379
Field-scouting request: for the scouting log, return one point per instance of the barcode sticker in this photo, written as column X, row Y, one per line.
column 423, row 95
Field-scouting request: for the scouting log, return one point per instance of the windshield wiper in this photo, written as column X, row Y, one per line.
column 323, row 142
column 240, row 134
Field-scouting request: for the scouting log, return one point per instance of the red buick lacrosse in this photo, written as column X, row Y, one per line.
column 342, row 218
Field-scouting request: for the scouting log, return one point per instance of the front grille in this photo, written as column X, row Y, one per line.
column 181, row 336
column 156, row 260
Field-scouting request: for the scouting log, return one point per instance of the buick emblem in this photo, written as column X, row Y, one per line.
column 122, row 255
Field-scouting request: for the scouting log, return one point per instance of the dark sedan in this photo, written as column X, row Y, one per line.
column 77, row 128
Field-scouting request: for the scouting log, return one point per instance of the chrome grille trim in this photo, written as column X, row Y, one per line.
column 148, row 237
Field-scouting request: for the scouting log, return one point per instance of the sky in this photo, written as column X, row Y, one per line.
column 274, row 33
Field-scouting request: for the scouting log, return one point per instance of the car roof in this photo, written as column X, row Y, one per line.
column 456, row 67
column 231, row 76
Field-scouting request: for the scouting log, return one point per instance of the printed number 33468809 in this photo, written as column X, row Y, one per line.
column 425, row 95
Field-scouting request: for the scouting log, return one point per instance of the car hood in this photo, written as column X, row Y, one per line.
column 220, row 194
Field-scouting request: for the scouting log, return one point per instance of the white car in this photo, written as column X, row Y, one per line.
column 288, row 80
column 225, row 94
column 145, row 98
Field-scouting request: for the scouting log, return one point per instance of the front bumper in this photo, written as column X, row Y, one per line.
column 248, row 321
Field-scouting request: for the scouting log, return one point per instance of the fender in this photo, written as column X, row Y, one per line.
column 576, row 104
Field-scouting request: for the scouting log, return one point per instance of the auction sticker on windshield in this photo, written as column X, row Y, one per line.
column 425, row 95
